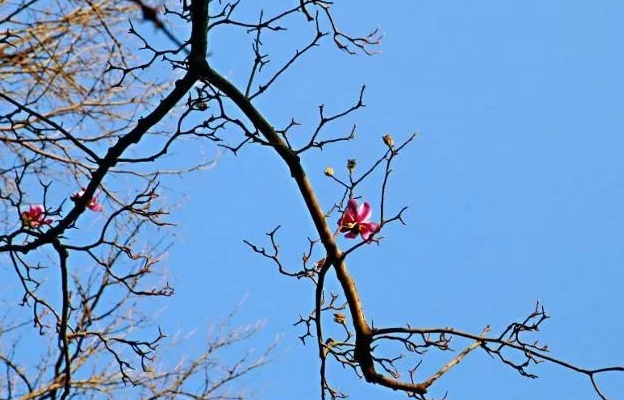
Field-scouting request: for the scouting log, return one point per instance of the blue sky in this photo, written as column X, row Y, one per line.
column 515, row 188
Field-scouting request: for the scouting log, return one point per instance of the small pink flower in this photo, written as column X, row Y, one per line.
column 35, row 216
column 355, row 220
column 93, row 204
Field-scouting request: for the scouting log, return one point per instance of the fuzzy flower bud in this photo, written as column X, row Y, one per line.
column 351, row 164
column 388, row 140
column 339, row 318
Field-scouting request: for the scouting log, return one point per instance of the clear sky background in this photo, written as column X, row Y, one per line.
column 515, row 188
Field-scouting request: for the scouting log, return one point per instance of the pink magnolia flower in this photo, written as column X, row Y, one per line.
column 93, row 204
column 35, row 216
column 355, row 221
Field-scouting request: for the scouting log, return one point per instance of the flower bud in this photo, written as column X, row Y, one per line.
column 388, row 140
column 351, row 165
column 329, row 171
column 339, row 318
column 202, row 106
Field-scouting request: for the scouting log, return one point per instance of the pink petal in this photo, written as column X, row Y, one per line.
column 36, row 209
column 371, row 226
column 346, row 220
column 96, row 207
column 367, row 229
column 352, row 209
column 350, row 214
column 364, row 212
